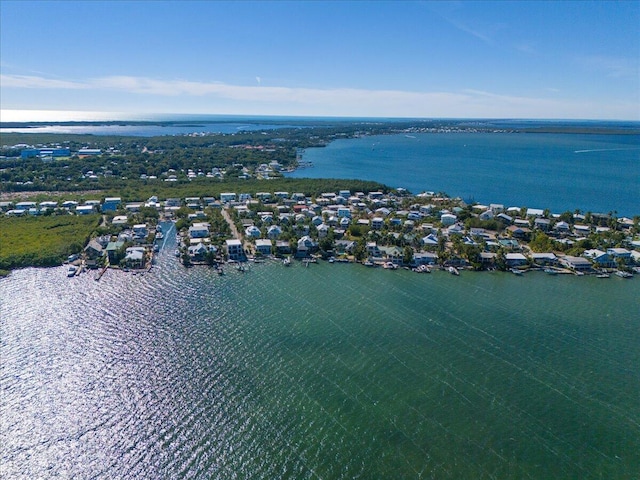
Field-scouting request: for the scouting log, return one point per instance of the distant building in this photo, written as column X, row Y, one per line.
column 89, row 151
column 45, row 152
column 111, row 204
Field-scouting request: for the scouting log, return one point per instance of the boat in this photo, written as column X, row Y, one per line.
column 515, row 271
column 453, row 270
column 286, row 261
column 422, row 269
column 623, row 274
column 369, row 264
column 177, row 252
column 551, row 271
column 72, row 271
column 603, row 275
column 219, row 271
column 390, row 266
column 159, row 236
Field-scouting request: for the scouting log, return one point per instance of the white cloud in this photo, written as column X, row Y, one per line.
column 216, row 97
column 31, row 81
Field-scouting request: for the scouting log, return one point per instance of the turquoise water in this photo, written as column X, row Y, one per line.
column 597, row 173
column 331, row 371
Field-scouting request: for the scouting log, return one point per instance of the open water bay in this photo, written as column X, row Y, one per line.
column 596, row 173
column 331, row 371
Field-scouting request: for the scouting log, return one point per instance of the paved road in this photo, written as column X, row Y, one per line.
column 248, row 247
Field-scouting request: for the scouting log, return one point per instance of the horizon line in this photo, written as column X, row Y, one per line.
column 85, row 116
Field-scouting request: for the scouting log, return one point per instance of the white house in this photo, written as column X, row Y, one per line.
column 199, row 230
column 234, row 249
column 448, row 218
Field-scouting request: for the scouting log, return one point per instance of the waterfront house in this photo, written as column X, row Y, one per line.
column 113, row 251
column 578, row 264
column 263, row 246
column 392, row 254
column 620, row 253
column 515, row 259
column 234, row 249
column 534, row 212
column 282, row 247
column 488, row 259
column 306, row 246
column 424, row 258
column 93, row 249
column 599, row 258
column 544, row 258
column 344, row 246
column 373, row 250
column 134, row 257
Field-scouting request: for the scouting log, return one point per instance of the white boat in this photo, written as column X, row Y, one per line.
column 603, row 275
column 551, row 271
column 623, row 274
column 286, row 261
column 72, row 271
column 515, row 271
column 453, row 271
column 390, row 266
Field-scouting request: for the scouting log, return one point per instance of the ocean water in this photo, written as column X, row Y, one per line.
column 597, row 173
column 331, row 371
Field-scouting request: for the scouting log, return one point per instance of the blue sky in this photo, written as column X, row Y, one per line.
column 466, row 59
